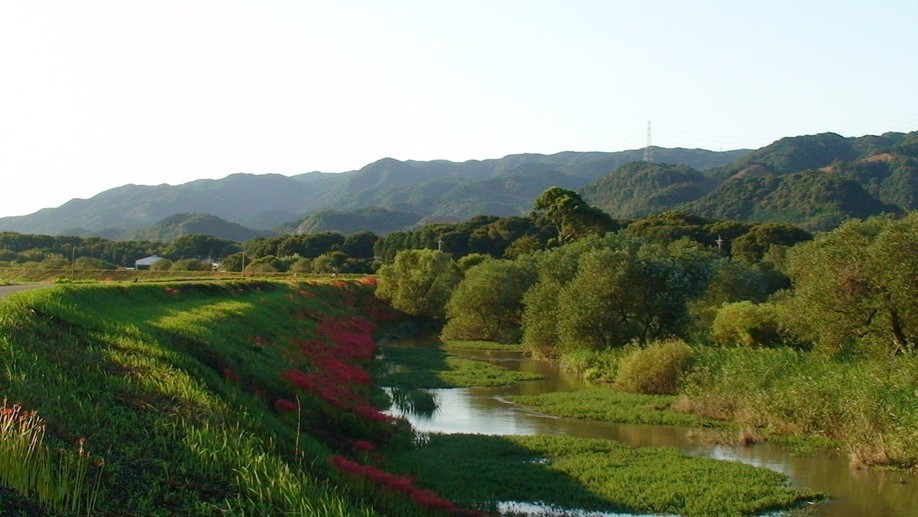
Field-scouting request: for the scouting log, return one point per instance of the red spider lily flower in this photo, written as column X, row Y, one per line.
column 231, row 375
column 285, row 405
column 400, row 484
column 372, row 413
column 363, row 446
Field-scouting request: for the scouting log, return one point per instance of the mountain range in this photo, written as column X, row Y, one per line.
column 815, row 181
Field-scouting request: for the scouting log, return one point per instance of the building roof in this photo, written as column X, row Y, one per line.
column 148, row 261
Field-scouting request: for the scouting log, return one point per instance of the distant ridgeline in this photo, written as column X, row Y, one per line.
column 813, row 181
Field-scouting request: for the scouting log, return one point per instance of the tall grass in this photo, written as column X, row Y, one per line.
column 60, row 480
column 657, row 369
column 870, row 406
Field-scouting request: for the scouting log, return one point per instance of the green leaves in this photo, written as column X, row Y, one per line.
column 571, row 216
column 487, row 304
column 608, row 292
column 419, row 282
column 856, row 286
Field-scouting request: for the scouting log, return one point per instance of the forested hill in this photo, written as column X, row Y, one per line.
column 814, row 181
column 435, row 190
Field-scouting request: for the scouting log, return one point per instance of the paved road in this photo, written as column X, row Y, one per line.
column 6, row 290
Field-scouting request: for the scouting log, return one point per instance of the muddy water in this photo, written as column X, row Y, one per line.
column 486, row 411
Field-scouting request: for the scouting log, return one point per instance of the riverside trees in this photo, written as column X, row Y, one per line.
column 419, row 282
column 670, row 276
column 857, row 286
column 611, row 291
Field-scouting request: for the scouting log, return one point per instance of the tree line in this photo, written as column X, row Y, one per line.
column 601, row 284
column 559, row 216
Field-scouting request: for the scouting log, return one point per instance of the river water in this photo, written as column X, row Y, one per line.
column 853, row 492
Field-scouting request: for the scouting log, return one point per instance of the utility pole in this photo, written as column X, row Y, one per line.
column 648, row 152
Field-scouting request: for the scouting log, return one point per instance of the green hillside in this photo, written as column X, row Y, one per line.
column 438, row 189
column 815, row 181
column 641, row 189
column 193, row 224
column 377, row 220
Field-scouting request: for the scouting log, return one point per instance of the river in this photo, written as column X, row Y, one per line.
column 853, row 492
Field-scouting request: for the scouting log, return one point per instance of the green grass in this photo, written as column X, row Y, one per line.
column 608, row 405
column 428, row 368
column 487, row 346
column 594, row 475
column 170, row 387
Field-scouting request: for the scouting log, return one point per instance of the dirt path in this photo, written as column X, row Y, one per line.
column 6, row 290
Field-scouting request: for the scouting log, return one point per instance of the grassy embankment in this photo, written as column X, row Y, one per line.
column 868, row 407
column 563, row 473
column 246, row 398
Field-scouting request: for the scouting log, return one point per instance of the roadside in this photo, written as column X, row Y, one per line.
column 6, row 290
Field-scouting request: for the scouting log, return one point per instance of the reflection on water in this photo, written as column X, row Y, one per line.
column 540, row 510
column 486, row 411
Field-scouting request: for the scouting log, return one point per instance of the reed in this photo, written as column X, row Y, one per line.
column 57, row 479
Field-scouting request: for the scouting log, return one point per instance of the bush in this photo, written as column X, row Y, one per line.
column 301, row 265
column 487, row 303
column 747, row 323
column 657, row 369
column 190, row 265
column 161, row 265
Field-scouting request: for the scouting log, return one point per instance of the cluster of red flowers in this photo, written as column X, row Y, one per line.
column 363, row 446
column 398, row 484
column 341, row 345
column 15, row 413
column 324, row 386
column 231, row 376
column 286, row 405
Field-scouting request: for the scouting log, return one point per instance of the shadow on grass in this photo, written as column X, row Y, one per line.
column 481, row 471
column 568, row 475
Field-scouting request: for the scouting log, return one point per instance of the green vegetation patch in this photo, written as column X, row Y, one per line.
column 429, row 368
column 594, row 475
column 488, row 346
column 868, row 405
column 609, row 405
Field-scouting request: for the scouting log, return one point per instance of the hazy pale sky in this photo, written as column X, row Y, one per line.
column 98, row 94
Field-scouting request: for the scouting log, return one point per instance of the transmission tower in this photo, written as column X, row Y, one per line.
column 648, row 152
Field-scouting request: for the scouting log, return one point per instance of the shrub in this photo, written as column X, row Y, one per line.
column 656, row 369
column 161, row 265
column 747, row 323
column 189, row 265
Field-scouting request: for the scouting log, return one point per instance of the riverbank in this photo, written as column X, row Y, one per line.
column 866, row 407
column 562, row 474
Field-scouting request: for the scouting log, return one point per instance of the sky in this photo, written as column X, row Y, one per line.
column 99, row 94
